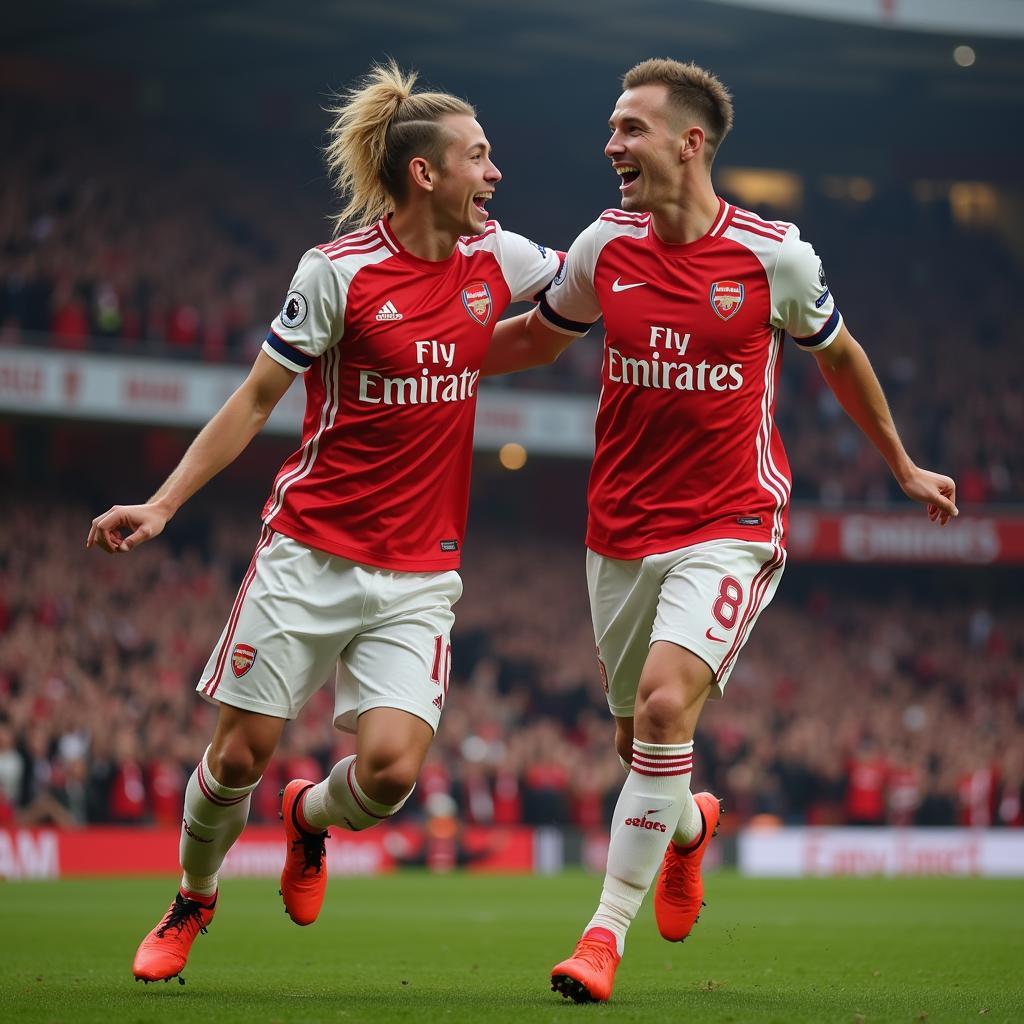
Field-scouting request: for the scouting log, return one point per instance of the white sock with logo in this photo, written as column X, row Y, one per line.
column 340, row 800
column 691, row 821
column 645, row 818
column 214, row 818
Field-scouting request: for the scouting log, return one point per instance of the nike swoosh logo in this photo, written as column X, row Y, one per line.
column 618, row 286
column 717, row 639
column 192, row 835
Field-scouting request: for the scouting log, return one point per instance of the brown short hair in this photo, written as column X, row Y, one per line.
column 692, row 92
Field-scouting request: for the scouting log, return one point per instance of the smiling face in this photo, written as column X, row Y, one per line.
column 647, row 147
column 466, row 179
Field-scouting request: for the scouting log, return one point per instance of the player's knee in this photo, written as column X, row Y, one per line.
column 235, row 762
column 388, row 778
column 661, row 709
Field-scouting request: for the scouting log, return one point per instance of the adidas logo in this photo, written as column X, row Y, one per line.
column 388, row 312
column 437, row 702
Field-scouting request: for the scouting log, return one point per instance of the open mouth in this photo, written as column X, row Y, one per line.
column 628, row 173
column 480, row 200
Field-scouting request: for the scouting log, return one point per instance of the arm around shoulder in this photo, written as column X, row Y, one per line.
column 522, row 342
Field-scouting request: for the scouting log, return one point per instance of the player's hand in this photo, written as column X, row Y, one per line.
column 936, row 491
column 140, row 522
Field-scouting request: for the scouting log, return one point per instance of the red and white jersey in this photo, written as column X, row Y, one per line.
column 687, row 446
column 391, row 346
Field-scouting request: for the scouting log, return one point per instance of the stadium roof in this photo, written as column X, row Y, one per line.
column 814, row 94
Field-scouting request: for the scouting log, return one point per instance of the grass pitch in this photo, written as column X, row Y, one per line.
column 461, row 948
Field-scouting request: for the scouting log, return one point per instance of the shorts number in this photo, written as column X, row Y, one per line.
column 727, row 605
column 441, row 671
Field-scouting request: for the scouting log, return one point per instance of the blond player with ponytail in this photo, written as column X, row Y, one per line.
column 355, row 572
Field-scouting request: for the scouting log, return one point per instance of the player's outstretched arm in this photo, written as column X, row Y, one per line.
column 219, row 443
column 522, row 342
column 848, row 372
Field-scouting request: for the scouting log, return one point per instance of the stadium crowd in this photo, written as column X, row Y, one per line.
column 844, row 708
column 132, row 246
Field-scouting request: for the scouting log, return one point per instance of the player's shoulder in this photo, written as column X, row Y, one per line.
column 612, row 225
column 616, row 222
column 488, row 239
column 336, row 263
column 752, row 229
column 358, row 246
column 505, row 246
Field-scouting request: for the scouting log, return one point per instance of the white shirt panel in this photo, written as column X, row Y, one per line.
column 313, row 315
column 801, row 295
column 526, row 266
column 571, row 305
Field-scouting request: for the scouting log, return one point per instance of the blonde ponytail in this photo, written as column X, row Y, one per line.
column 377, row 129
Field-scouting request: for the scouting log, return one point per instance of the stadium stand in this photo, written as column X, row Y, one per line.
column 846, row 707
column 125, row 247
column 852, row 704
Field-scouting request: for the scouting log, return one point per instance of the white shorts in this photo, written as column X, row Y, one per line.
column 302, row 614
column 705, row 598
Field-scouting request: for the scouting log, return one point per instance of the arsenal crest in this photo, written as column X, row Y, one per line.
column 242, row 658
column 476, row 297
column 726, row 298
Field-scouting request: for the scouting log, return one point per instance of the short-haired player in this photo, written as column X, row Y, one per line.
column 690, row 484
column 355, row 570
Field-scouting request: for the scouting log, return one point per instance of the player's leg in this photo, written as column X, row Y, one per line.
column 392, row 681
column 674, row 685
column 672, row 692
column 373, row 783
column 698, row 819
column 216, row 808
column 709, row 604
column 623, row 602
column 217, row 796
column 361, row 791
column 267, row 662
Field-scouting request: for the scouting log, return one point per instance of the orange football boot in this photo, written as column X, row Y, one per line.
column 679, row 894
column 588, row 975
column 163, row 952
column 304, row 878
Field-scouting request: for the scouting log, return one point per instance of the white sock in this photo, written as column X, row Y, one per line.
column 340, row 800
column 691, row 822
column 644, row 820
column 214, row 818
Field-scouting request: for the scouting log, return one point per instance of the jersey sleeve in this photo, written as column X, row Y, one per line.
column 801, row 299
column 528, row 267
column 570, row 305
column 312, row 317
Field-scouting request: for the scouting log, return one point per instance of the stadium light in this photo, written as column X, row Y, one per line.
column 512, row 456
column 964, row 56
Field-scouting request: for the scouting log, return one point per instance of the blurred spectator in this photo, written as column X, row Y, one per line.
column 11, row 769
column 867, row 776
column 129, row 798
